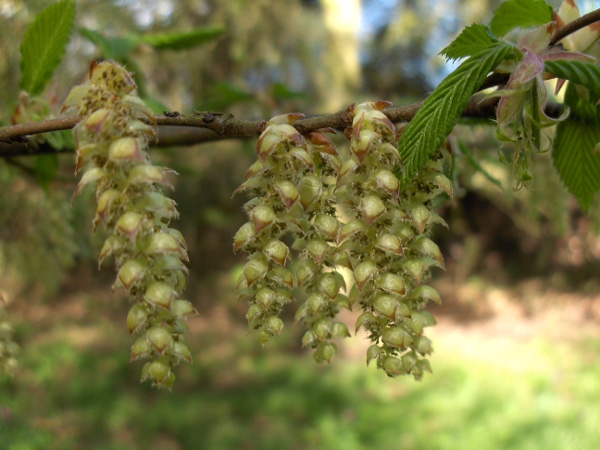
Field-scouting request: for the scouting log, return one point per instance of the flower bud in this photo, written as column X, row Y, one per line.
column 159, row 294
column 302, row 156
column 396, row 337
column 265, row 297
column 308, row 338
column 276, row 251
column 363, row 273
column 322, row 329
column 326, row 225
column 316, row 302
column 182, row 352
column 427, row 247
column 158, row 205
column 329, row 285
column 317, row 249
column 160, row 373
column 254, row 312
column 364, row 319
column 130, row 224
column 164, row 243
column 182, row 309
column 389, row 243
column 288, row 193
column 127, row 149
column 254, row 270
column 262, row 217
column 141, row 349
column 245, row 234
column 420, row 320
column 148, row 174
column 426, row 293
column 324, row 352
column 392, row 283
column 160, row 339
column 373, row 352
column 274, row 325
column 131, row 272
column 372, row 208
column 310, row 189
column 417, row 267
column 97, row 120
column 90, row 176
column 387, row 181
column 305, row 270
column 424, row 345
column 351, row 228
column 385, row 305
column 392, row 366
column 281, row 276
column 420, row 217
column 107, row 201
column 339, row 330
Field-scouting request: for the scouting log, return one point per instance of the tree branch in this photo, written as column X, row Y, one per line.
column 201, row 127
column 577, row 24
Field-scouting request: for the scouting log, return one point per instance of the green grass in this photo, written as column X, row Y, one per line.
column 72, row 399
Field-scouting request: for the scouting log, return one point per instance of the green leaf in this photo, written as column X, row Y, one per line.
column 585, row 74
column 182, row 40
column 438, row 115
column 520, row 13
column 472, row 40
column 573, row 152
column 44, row 45
column 117, row 48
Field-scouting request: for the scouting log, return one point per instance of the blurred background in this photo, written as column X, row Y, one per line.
column 517, row 345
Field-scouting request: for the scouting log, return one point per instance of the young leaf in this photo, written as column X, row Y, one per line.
column 472, row 40
column 585, row 74
column 573, row 151
column 182, row 40
column 520, row 13
column 438, row 115
column 44, row 45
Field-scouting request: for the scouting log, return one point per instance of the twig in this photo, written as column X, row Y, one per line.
column 577, row 24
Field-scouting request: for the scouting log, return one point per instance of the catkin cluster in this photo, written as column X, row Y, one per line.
column 292, row 187
column 111, row 142
column 342, row 213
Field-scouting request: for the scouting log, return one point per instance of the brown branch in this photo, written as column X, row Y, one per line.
column 577, row 24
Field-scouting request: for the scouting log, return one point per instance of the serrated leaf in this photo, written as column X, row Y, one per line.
column 182, row 40
column 117, row 48
column 585, row 74
column 44, row 45
column 472, row 40
column 573, row 151
column 520, row 13
column 438, row 115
